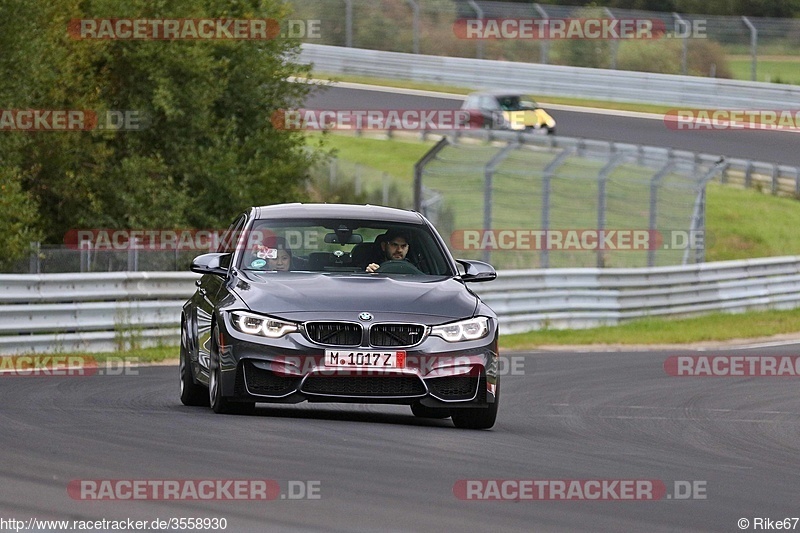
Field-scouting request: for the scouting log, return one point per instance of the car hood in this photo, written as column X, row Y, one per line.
column 302, row 296
column 529, row 117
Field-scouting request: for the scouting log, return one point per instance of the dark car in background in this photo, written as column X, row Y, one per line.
column 326, row 330
column 507, row 111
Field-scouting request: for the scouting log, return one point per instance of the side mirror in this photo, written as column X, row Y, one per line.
column 476, row 270
column 211, row 264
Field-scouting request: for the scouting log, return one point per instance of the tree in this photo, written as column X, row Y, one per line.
column 206, row 148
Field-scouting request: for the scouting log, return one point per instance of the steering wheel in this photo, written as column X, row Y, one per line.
column 398, row 266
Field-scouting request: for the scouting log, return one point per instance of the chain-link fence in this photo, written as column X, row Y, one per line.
column 332, row 180
column 533, row 202
column 698, row 44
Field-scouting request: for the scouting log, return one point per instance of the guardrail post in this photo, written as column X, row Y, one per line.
column 753, row 48
column 775, row 174
column 797, row 182
column 748, row 174
column 547, row 175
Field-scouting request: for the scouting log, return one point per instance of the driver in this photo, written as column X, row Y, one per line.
column 394, row 245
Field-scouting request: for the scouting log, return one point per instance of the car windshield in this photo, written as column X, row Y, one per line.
column 515, row 103
column 342, row 246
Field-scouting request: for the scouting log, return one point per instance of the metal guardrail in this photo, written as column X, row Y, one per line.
column 104, row 312
column 552, row 80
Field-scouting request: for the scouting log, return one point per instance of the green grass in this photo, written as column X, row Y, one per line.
column 785, row 69
column 712, row 327
column 740, row 224
column 395, row 157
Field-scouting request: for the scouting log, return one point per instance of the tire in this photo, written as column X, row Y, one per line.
column 219, row 403
column 477, row 417
column 423, row 411
column 192, row 393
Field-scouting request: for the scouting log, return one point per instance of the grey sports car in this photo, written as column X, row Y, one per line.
column 339, row 303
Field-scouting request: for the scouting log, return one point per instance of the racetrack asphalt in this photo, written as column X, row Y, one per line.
column 757, row 145
column 564, row 416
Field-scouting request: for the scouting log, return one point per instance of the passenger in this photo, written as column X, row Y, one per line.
column 274, row 254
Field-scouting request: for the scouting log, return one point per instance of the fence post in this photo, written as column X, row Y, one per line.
column 547, row 176
column 602, row 178
column 34, row 263
column 685, row 39
column 419, row 168
column 614, row 42
column 544, row 45
column 654, row 183
column 488, row 178
column 348, row 23
column 753, row 48
column 415, row 9
column 479, row 14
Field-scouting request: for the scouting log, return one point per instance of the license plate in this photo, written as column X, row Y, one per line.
column 367, row 359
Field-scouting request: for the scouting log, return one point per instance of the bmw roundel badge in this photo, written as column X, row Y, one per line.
column 365, row 317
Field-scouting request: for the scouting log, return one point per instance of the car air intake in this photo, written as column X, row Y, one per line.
column 334, row 333
column 364, row 385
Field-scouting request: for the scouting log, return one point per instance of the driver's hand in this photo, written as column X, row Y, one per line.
column 372, row 267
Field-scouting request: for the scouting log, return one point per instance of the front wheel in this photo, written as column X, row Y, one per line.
column 219, row 403
column 477, row 417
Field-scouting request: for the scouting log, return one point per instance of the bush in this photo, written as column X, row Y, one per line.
column 664, row 56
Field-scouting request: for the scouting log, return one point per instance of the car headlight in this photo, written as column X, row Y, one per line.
column 262, row 325
column 463, row 330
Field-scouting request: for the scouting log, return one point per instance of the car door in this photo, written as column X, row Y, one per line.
column 210, row 288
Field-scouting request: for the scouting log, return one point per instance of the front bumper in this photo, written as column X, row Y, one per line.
column 292, row 369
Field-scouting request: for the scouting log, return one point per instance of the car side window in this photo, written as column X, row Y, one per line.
column 231, row 236
column 488, row 102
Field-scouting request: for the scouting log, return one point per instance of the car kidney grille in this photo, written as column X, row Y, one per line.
column 396, row 334
column 334, row 333
column 453, row 387
column 364, row 385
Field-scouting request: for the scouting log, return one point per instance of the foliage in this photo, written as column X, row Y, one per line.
column 664, row 56
column 206, row 147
